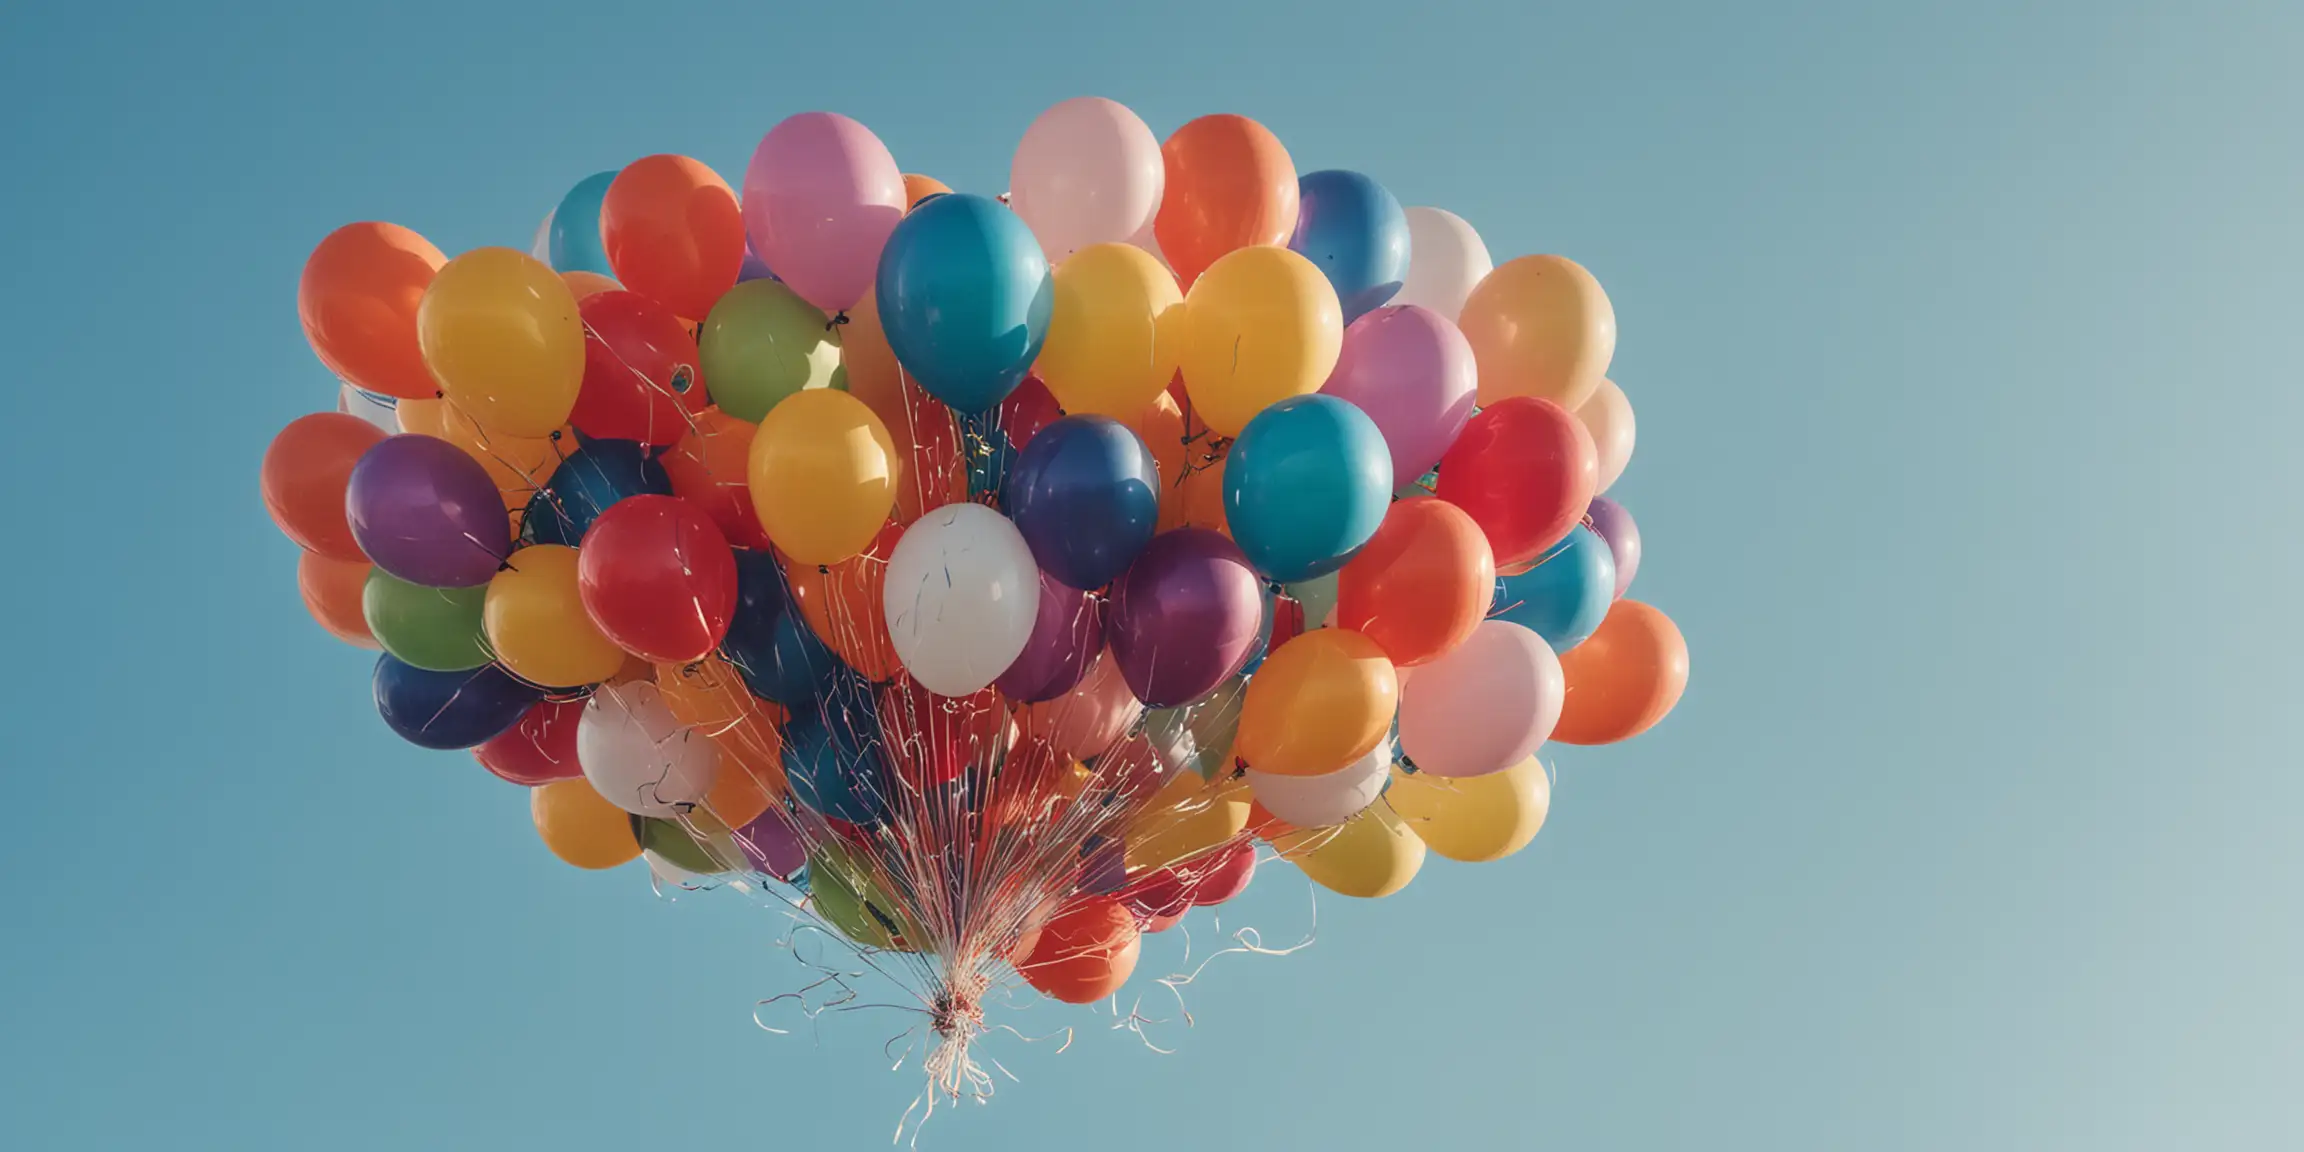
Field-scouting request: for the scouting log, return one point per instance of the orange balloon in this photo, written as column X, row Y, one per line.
column 1085, row 953
column 874, row 376
column 1540, row 326
column 918, row 188
column 580, row 827
column 518, row 464
column 1230, row 185
column 710, row 697
column 673, row 232
column 1422, row 583
column 581, row 284
column 332, row 591
column 1624, row 677
column 306, row 469
column 709, row 468
column 1320, row 702
column 841, row 603
column 923, row 429
column 358, row 299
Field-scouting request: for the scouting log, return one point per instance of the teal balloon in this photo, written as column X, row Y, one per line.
column 576, row 245
column 435, row 629
column 964, row 297
column 1566, row 595
column 762, row 343
column 1305, row 486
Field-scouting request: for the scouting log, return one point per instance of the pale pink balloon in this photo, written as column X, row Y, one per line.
column 1412, row 372
column 1608, row 416
column 1089, row 719
column 1088, row 172
column 1484, row 706
column 820, row 198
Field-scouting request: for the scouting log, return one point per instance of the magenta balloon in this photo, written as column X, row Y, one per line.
column 1185, row 616
column 772, row 844
column 426, row 511
column 1614, row 525
column 820, row 198
column 1066, row 635
column 1412, row 372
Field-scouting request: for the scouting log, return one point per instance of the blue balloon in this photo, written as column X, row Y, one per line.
column 450, row 709
column 1355, row 232
column 832, row 755
column 1306, row 485
column 576, row 243
column 769, row 643
column 588, row 481
column 1566, row 595
column 964, row 297
column 1085, row 494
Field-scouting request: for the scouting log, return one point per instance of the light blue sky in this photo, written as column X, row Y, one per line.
column 1964, row 340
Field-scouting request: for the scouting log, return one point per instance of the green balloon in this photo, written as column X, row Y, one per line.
column 1199, row 735
column 762, row 343
column 1317, row 595
column 680, row 848
column 436, row 629
column 848, row 898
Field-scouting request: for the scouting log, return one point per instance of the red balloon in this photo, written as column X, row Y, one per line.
column 1164, row 922
column 1085, row 953
column 931, row 739
column 656, row 577
column 305, row 473
column 642, row 374
column 1225, row 875
column 1164, row 892
column 1524, row 468
column 1027, row 410
column 539, row 749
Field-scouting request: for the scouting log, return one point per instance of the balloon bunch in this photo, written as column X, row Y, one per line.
column 989, row 574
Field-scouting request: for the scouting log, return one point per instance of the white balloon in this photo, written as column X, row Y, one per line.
column 961, row 599
column 639, row 756
column 1087, row 172
column 542, row 248
column 382, row 411
column 1326, row 800
column 1608, row 416
column 1446, row 260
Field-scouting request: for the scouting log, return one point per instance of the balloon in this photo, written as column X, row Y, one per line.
column 573, row 241
column 332, row 588
column 961, row 598
column 1324, row 700
column 763, row 343
column 540, row 246
column 535, row 621
column 379, row 410
column 848, row 892
column 1199, row 736
column 673, row 232
column 927, row 437
column 707, row 469
column 588, row 482
column 1085, row 954
column 1086, row 497
column 1540, row 326
column 1625, row 678
column 658, row 579
column 427, row 513
column 1115, row 332
column 1185, row 818
column 1229, row 185
column 581, row 828
column 1306, row 486
column 640, row 756
column 1318, row 597
column 823, row 476
column 709, row 696
column 918, row 188
column 518, row 465
column 1223, row 875
column 1088, row 720
column 1260, row 326
column 1524, row 469
column 1608, row 417
column 820, row 198
column 358, row 300
column 768, row 643
column 1483, row 707
column 1184, row 617
column 870, row 366
column 965, row 299
column 1446, row 260
column 1476, row 820
column 1422, row 584
column 539, row 749
column 1354, row 232
column 700, row 846
column 845, row 605
column 754, row 267
column 1030, row 408
column 435, row 629
column 442, row 710
column 1565, row 596
column 1411, row 371
column 503, row 337
column 306, row 470
column 772, row 844
column 833, row 758
column 641, row 380
column 1612, row 523
column 1370, row 856
column 585, row 285
column 1067, row 633
column 1327, row 800
column 932, row 739
column 1088, row 172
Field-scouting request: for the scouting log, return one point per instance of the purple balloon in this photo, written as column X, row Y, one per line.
column 1614, row 525
column 1066, row 636
column 1412, row 372
column 426, row 511
column 1185, row 617
column 1103, row 868
column 772, row 844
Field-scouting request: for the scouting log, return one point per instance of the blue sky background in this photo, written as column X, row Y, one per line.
column 1965, row 345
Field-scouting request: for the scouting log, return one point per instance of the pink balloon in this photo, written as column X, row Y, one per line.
column 1412, row 372
column 1087, row 172
column 1089, row 719
column 820, row 198
column 1484, row 706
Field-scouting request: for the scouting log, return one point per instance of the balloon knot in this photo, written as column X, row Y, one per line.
column 1407, row 765
column 838, row 318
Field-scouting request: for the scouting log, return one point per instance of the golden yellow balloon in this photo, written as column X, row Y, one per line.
column 502, row 336
column 580, row 827
column 1187, row 817
column 1540, row 326
column 535, row 621
column 1475, row 818
column 823, row 475
column 1116, row 332
column 1369, row 856
column 1260, row 325
column 1322, row 701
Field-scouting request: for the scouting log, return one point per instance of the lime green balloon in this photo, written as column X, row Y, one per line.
column 680, row 848
column 848, row 897
column 436, row 629
column 762, row 343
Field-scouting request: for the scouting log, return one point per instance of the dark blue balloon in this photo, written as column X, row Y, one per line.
column 576, row 245
column 1085, row 493
column 590, row 479
column 450, row 709
column 1356, row 234
column 832, row 755
column 769, row 643
column 1566, row 595
column 964, row 297
column 1305, row 486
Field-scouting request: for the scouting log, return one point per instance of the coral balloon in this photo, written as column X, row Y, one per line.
column 581, row 828
column 823, row 475
column 1229, row 185
column 306, row 471
column 658, row 579
column 1324, row 700
column 1260, row 326
column 1086, row 721
column 1540, row 326
column 358, row 299
column 918, row 188
column 332, row 591
column 1625, row 678
column 539, row 749
column 707, row 469
column 1116, row 333
column 673, row 232
column 1484, row 706
column 711, row 697
column 1475, row 820
column 1085, row 954
column 1225, row 876
column 1524, row 469
column 1421, row 585
column 503, row 336
column 641, row 380
column 844, row 605
column 535, row 621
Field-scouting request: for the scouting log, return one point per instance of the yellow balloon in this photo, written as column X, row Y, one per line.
column 518, row 464
column 823, row 475
column 1540, row 326
column 1260, row 325
column 1187, row 817
column 1322, row 701
column 1116, row 332
column 1474, row 818
column 1369, row 856
column 535, row 621
column 580, row 827
column 502, row 336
